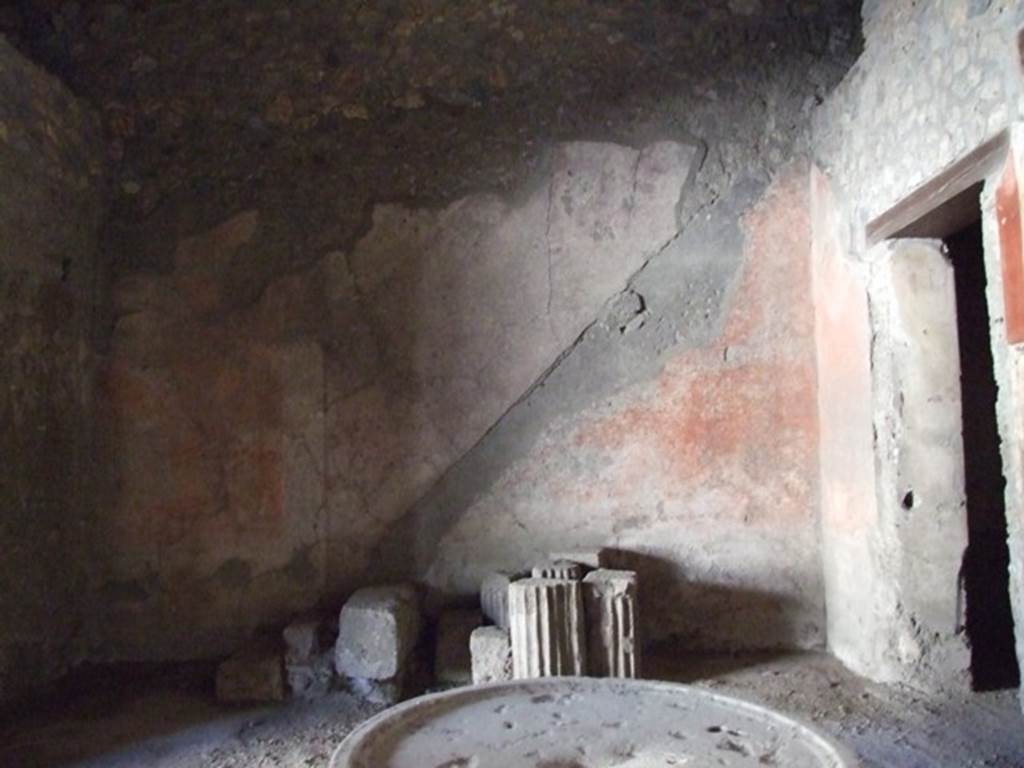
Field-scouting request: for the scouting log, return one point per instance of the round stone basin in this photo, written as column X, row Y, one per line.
column 574, row 722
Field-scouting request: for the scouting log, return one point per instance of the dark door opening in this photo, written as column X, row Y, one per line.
column 985, row 572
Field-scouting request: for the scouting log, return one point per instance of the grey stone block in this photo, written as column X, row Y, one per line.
column 490, row 649
column 377, row 630
column 309, row 657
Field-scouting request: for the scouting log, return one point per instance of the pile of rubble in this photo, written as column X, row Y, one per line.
column 568, row 616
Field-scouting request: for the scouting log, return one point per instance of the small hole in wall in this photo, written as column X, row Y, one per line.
column 1020, row 48
column 908, row 500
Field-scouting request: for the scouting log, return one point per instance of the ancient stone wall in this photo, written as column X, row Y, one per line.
column 389, row 273
column 50, row 207
column 935, row 82
column 704, row 475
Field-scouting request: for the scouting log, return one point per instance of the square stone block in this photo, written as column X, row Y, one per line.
column 490, row 649
column 377, row 630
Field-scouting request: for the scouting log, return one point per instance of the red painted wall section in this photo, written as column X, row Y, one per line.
column 849, row 510
column 1012, row 254
column 705, row 479
column 212, row 454
column 843, row 344
column 743, row 410
column 1009, row 361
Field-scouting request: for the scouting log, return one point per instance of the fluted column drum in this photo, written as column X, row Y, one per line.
column 558, row 569
column 547, row 627
column 610, row 602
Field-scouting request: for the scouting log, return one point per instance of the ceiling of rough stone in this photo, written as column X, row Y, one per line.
column 321, row 107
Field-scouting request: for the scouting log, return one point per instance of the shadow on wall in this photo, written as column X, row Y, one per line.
column 278, row 403
column 467, row 307
column 708, row 461
column 265, row 441
column 769, row 619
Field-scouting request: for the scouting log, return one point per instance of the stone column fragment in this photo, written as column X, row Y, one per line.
column 547, row 628
column 610, row 602
column 309, row 657
column 494, row 597
column 558, row 569
column 591, row 559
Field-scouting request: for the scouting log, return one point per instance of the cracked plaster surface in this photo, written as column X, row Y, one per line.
column 265, row 447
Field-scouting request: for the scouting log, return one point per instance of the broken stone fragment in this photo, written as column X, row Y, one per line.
column 745, row 7
column 452, row 658
column 494, row 596
column 377, row 631
column 304, row 640
column 280, row 110
column 254, row 674
column 143, row 65
column 355, row 112
column 610, row 603
column 588, row 558
column 558, row 569
column 490, row 650
column 547, row 628
column 386, row 692
column 411, row 100
column 309, row 657
column 312, row 679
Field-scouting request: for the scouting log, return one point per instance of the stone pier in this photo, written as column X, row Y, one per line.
column 547, row 627
column 610, row 599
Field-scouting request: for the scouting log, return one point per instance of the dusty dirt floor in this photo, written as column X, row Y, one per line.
column 169, row 719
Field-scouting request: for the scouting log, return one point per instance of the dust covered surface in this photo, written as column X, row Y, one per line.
column 179, row 726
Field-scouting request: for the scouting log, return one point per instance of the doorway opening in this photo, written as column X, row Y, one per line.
column 985, row 573
column 966, row 546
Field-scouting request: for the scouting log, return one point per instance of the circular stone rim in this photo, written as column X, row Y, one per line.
column 843, row 756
